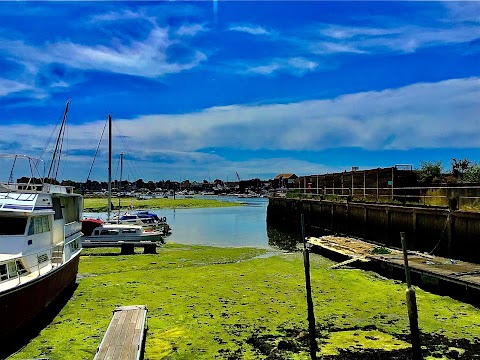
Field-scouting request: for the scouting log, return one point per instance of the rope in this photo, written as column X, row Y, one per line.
column 96, row 152
column 443, row 232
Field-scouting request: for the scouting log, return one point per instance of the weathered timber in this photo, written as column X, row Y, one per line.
column 125, row 335
column 439, row 231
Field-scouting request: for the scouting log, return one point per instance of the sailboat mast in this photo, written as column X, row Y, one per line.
column 109, row 165
column 56, row 152
column 120, row 185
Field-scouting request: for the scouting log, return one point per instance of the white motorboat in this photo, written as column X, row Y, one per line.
column 40, row 243
column 122, row 233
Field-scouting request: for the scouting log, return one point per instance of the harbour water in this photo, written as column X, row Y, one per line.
column 236, row 226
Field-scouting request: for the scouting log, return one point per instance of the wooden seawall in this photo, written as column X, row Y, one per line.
column 439, row 231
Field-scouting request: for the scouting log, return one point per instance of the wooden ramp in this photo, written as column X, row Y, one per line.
column 125, row 334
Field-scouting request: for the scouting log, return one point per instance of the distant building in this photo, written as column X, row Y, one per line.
column 285, row 181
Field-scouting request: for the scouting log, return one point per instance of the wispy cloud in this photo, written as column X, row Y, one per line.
column 190, row 30
column 9, row 87
column 423, row 115
column 296, row 66
column 125, row 52
column 250, row 29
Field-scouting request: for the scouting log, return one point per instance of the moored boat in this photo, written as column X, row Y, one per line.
column 148, row 219
column 40, row 247
column 122, row 233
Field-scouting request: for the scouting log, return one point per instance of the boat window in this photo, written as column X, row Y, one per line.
column 128, row 231
column 57, row 206
column 38, row 225
column 109, row 232
column 13, row 225
column 3, row 272
column 74, row 245
column 71, row 209
column 12, row 269
column 20, row 268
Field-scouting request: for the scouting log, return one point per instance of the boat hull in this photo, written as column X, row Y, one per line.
column 153, row 237
column 22, row 304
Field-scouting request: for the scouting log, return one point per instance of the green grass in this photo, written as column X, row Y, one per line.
column 100, row 204
column 206, row 303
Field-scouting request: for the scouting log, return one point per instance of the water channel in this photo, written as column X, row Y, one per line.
column 236, row 226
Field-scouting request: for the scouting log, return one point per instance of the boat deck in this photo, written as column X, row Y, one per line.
column 448, row 276
column 125, row 335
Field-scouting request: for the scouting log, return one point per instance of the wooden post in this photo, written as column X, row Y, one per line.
column 411, row 305
column 353, row 191
column 392, row 182
column 364, row 184
column 311, row 314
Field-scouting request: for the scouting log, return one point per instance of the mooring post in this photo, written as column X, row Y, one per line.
column 411, row 304
column 311, row 314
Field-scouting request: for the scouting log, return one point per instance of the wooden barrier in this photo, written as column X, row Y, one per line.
column 440, row 231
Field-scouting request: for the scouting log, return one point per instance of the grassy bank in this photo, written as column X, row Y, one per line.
column 100, row 204
column 237, row 303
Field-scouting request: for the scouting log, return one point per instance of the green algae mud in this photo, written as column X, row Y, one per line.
column 100, row 204
column 245, row 303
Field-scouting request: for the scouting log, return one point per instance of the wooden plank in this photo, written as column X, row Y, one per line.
column 129, row 345
column 102, row 351
column 349, row 261
column 124, row 335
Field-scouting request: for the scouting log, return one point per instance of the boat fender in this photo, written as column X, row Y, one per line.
column 164, row 219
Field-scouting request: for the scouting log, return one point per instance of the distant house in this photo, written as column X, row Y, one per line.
column 285, row 181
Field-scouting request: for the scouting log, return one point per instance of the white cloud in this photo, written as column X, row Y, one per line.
column 333, row 38
column 124, row 54
column 423, row 115
column 297, row 66
column 190, row 30
column 9, row 87
column 250, row 29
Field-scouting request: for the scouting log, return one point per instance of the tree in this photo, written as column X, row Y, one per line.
column 140, row 184
column 460, row 167
column 430, row 171
column 472, row 174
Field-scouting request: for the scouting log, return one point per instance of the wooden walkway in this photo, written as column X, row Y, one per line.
column 447, row 276
column 125, row 335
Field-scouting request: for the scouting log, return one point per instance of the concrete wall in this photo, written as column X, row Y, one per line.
column 449, row 234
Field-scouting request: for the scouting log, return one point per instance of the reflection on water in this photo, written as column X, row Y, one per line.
column 238, row 226
column 283, row 240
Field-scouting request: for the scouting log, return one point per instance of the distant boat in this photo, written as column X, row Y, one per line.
column 147, row 219
column 122, row 233
column 40, row 243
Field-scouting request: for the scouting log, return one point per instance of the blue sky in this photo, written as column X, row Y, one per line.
column 199, row 90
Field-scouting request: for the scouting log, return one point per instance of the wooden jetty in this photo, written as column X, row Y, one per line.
column 125, row 335
column 441, row 275
column 127, row 248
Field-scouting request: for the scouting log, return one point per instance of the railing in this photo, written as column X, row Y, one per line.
column 15, row 268
column 466, row 197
